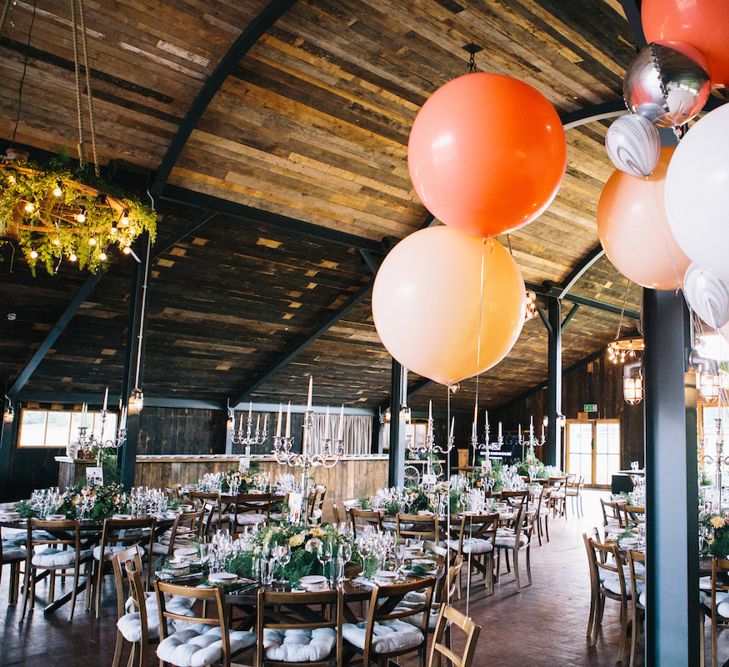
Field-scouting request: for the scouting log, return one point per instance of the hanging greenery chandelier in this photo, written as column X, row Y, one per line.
column 53, row 213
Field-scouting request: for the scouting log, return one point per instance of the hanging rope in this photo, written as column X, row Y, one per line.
column 25, row 62
column 89, row 94
column 77, row 72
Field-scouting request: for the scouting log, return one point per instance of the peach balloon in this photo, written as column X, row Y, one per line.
column 487, row 153
column 426, row 300
column 633, row 228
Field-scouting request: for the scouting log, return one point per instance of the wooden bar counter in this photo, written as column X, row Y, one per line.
column 352, row 477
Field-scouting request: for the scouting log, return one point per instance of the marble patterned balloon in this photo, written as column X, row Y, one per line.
column 633, row 144
column 708, row 295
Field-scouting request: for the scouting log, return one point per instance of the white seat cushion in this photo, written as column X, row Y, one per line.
column 12, row 552
column 472, row 545
column 611, row 582
column 130, row 625
column 199, row 646
column 52, row 557
column 178, row 604
column 111, row 551
column 508, row 541
column 387, row 636
column 160, row 549
column 722, row 603
column 417, row 619
column 641, row 598
column 251, row 519
column 299, row 645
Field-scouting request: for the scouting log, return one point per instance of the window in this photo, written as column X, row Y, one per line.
column 593, row 449
column 58, row 428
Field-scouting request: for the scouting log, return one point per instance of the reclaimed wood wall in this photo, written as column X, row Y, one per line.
column 596, row 380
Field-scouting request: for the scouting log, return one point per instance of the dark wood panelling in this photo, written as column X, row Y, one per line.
column 181, row 431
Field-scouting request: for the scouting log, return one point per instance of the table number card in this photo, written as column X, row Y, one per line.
column 295, row 501
column 95, row 475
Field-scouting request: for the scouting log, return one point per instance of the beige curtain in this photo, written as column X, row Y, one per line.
column 357, row 433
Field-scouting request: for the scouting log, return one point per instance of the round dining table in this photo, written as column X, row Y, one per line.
column 91, row 531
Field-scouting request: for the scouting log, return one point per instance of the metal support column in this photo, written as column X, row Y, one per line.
column 672, row 580
column 398, row 393
column 551, row 452
column 134, row 359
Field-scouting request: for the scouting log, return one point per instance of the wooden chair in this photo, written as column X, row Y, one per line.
column 193, row 641
column 60, row 554
column 612, row 516
column 384, row 607
column 12, row 554
column 422, row 527
column 273, row 648
column 476, row 545
column 450, row 618
column 637, row 587
column 315, row 505
column 573, row 491
column 117, row 536
column 185, row 532
column 210, row 503
column 515, row 539
column 249, row 510
column 608, row 583
column 363, row 518
column 633, row 516
column 716, row 607
column 132, row 626
column 515, row 498
column 174, row 491
column 558, row 496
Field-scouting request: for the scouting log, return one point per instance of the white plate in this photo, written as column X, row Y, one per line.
column 122, row 516
column 222, row 576
column 56, row 517
column 313, row 582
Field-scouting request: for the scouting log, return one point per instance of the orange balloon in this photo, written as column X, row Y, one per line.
column 487, row 154
column 704, row 24
column 426, row 298
column 634, row 231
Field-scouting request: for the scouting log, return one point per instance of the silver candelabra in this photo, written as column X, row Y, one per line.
column 91, row 442
column 331, row 448
column 249, row 437
column 486, row 446
column 429, row 447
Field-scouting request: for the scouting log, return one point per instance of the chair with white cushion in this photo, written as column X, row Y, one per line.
column 197, row 640
column 476, row 545
column 13, row 554
column 210, row 503
column 636, row 564
column 117, row 536
column 249, row 510
column 608, row 579
column 315, row 509
column 362, row 519
column 298, row 638
column 54, row 546
column 424, row 528
column 185, row 532
column 612, row 515
column 386, row 633
column 515, row 539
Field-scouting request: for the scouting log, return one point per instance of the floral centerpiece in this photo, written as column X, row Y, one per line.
column 300, row 541
column 79, row 501
column 234, row 481
column 714, row 531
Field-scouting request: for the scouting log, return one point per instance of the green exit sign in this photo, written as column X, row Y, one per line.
column 589, row 407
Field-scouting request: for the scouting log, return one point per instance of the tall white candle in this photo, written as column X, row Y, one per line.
column 326, row 425
column 258, row 423
column 500, row 430
column 288, row 421
column 240, row 421
column 453, row 423
column 106, row 399
column 475, row 420
column 265, row 422
column 486, row 416
column 531, row 422
column 430, row 410
column 340, row 435
column 519, row 431
column 278, row 421
column 250, row 410
column 311, row 392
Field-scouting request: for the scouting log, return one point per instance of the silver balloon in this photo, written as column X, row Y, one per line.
column 634, row 145
column 708, row 295
column 666, row 86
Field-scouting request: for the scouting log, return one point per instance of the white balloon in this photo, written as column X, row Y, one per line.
column 633, row 144
column 708, row 295
column 697, row 185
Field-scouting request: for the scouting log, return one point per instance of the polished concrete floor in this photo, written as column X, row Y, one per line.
column 544, row 625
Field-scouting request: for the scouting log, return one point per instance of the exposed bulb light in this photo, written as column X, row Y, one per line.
column 124, row 221
column 102, row 256
column 33, row 254
column 72, row 257
column 92, row 241
column 126, row 249
column 9, row 414
column 29, row 207
column 136, row 400
column 56, row 241
column 58, row 190
column 113, row 230
column 81, row 216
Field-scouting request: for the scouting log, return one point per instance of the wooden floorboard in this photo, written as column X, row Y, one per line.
column 544, row 625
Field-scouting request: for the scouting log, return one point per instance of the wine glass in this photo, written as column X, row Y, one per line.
column 325, row 554
column 282, row 554
column 344, row 555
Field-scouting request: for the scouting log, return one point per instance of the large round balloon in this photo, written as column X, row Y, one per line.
column 426, row 300
column 634, row 145
column 701, row 23
column 487, row 154
column 697, row 185
column 633, row 230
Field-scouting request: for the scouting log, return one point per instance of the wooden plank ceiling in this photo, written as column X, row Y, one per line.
column 313, row 125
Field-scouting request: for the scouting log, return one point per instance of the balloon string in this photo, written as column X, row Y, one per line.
column 448, row 494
